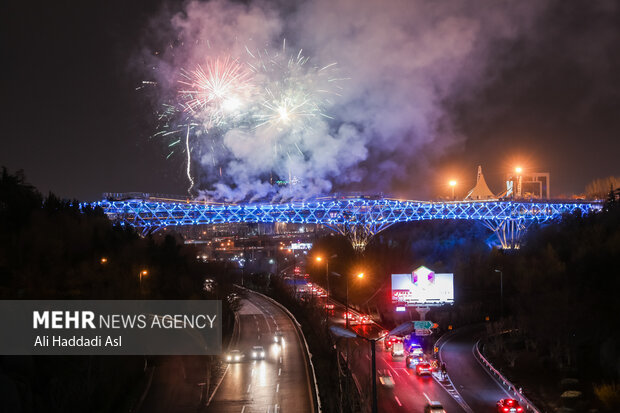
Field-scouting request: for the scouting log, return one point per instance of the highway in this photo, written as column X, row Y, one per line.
column 479, row 390
column 410, row 393
column 281, row 382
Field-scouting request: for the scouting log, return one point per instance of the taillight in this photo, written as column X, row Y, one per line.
column 505, row 409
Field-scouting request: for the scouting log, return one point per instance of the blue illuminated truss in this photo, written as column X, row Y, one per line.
column 358, row 218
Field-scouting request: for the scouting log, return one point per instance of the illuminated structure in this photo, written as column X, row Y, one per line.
column 357, row 218
column 529, row 185
column 481, row 191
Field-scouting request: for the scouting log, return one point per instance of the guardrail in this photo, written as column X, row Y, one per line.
column 500, row 378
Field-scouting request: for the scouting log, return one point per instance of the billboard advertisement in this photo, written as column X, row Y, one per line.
column 422, row 287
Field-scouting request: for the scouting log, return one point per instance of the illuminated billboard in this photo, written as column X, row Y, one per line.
column 423, row 287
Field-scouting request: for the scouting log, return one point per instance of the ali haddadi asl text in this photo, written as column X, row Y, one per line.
column 78, row 341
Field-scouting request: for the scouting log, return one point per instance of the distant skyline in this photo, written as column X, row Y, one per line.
column 542, row 94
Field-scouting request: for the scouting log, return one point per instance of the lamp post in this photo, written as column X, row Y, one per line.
column 346, row 302
column 141, row 274
column 452, row 184
column 344, row 333
column 501, row 292
column 319, row 259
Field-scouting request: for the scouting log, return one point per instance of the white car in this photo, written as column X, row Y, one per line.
column 386, row 379
column 258, row 353
column 434, row 407
column 277, row 337
column 235, row 356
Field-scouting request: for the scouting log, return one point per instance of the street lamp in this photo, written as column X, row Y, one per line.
column 452, row 184
column 319, row 259
column 518, row 170
column 346, row 302
column 142, row 273
column 501, row 292
column 344, row 333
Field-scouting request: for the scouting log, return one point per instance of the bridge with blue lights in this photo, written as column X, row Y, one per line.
column 357, row 218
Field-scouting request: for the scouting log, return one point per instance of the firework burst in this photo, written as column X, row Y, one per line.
column 274, row 97
column 216, row 91
column 293, row 92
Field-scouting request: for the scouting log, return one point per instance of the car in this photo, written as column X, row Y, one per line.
column 351, row 317
column 234, row 356
column 365, row 319
column 277, row 337
column 415, row 350
column 385, row 378
column 424, row 368
column 389, row 341
column 258, row 353
column 232, row 297
column 412, row 361
column 434, row 407
column 398, row 350
column 329, row 306
column 509, row 406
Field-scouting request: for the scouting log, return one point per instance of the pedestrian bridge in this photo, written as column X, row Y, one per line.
column 358, row 218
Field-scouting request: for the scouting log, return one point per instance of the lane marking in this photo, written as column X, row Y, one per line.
column 279, row 371
column 249, row 386
column 427, row 398
column 280, row 359
column 395, row 372
column 243, row 409
column 398, row 401
column 277, row 387
column 252, row 373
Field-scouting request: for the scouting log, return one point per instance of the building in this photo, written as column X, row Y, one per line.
column 528, row 185
column 481, row 191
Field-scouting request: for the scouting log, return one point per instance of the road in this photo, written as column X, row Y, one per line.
column 410, row 393
column 479, row 390
column 281, row 382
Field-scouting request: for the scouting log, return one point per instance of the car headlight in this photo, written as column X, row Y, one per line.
column 228, row 358
column 262, row 354
column 254, row 354
column 237, row 358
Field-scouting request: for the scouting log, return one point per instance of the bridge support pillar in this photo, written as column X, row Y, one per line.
column 509, row 231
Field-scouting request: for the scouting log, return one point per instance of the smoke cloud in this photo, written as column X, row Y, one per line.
column 398, row 62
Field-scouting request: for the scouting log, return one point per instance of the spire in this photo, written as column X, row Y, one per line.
column 481, row 190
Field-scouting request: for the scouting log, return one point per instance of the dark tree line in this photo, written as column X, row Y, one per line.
column 50, row 249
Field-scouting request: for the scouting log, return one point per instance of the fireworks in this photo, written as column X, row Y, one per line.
column 277, row 94
column 293, row 92
column 215, row 91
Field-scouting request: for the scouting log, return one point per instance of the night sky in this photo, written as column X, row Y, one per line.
column 547, row 97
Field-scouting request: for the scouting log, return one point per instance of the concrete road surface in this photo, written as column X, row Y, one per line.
column 410, row 393
column 479, row 390
column 281, row 382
